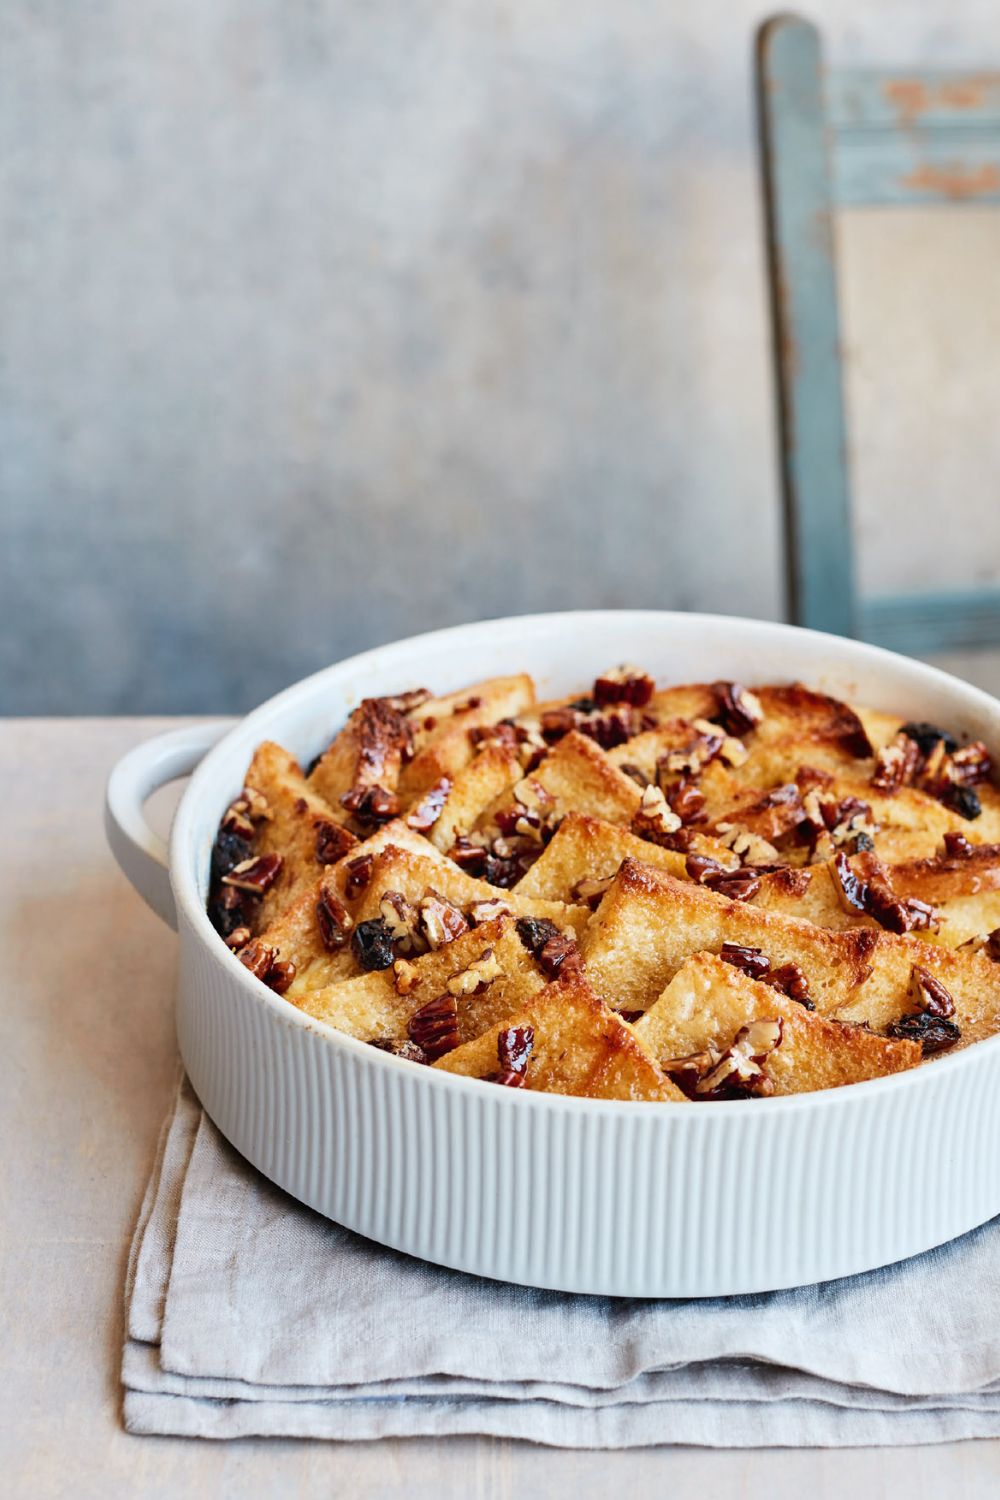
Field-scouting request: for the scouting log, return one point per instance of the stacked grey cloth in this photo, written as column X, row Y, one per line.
column 248, row 1314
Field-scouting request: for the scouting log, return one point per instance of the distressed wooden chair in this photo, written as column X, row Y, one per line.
column 841, row 138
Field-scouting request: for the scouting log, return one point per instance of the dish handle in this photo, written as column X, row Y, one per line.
column 140, row 851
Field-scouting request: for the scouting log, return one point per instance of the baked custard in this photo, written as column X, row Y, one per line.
column 691, row 893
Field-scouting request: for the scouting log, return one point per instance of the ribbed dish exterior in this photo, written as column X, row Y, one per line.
column 631, row 1200
column 582, row 1195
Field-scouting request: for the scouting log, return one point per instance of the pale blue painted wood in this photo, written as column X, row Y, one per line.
column 854, row 137
column 804, row 308
column 922, row 623
column 925, row 138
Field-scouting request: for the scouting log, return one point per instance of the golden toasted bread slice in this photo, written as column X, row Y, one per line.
column 474, row 788
column 813, row 894
column 585, row 850
column 441, row 729
column 708, row 1001
column 350, row 874
column 296, row 936
column 301, row 827
column 365, row 758
column 579, row 1046
column 577, row 775
column 412, row 875
column 380, row 1006
column 649, row 924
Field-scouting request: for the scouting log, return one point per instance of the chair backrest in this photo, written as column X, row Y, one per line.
column 831, row 139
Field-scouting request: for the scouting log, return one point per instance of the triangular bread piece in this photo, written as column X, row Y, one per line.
column 297, row 819
column 441, row 728
column 708, row 1001
column 580, row 1047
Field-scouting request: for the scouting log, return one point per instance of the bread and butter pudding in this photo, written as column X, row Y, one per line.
column 691, row 893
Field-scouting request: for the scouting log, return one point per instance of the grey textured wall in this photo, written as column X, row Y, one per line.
column 323, row 323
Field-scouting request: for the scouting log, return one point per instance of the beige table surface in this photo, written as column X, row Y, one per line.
column 88, row 1054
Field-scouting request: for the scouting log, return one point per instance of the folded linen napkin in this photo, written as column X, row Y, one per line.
column 248, row 1314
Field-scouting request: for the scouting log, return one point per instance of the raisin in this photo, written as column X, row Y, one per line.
column 927, row 735
column 228, row 851
column 934, row 1033
column 371, row 944
column 535, row 932
column 963, row 800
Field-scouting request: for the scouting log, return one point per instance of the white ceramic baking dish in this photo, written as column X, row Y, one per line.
column 672, row 1200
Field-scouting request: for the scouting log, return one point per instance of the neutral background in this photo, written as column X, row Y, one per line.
column 323, row 323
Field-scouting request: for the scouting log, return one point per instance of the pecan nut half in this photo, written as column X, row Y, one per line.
column 514, row 1046
column 256, row 876
column 738, row 710
column 334, row 920
column 624, row 685
column 434, row 1027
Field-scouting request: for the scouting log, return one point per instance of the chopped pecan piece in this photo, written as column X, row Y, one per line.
column 238, row 938
column 487, row 911
column 469, row 856
column 791, row 980
column 654, row 820
column 874, row 897
column 371, row 944
column 359, row 872
column 971, row 764
column 896, row 765
column 612, row 727
column 740, row 1069
column 686, row 800
column 934, row 1033
column 559, row 955
column 404, row 976
column 695, row 756
column 741, row 884
column 752, row 961
column 687, row 1072
column 423, row 817
column 929, row 994
column 748, row 846
column 478, row 977
column 440, row 920
column 370, row 805
column 852, row 890
column 264, row 963
column 956, row 846
column 407, row 1050
column 334, row 920
column 738, row 709
column 514, row 1045
column 405, row 703
column 332, row 842
column 624, row 685
column 991, row 945
column 403, row 921
column 255, row 876
column 434, row 1027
